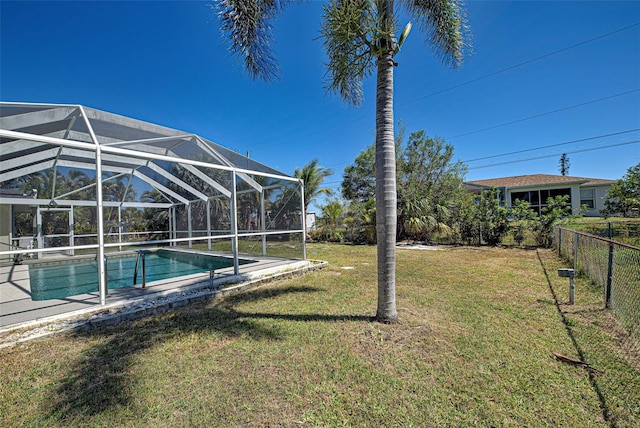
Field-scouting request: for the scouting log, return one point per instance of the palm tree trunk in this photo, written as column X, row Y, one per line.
column 386, row 198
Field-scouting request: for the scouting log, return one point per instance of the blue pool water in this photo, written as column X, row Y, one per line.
column 56, row 281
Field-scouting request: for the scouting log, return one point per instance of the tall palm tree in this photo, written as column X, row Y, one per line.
column 313, row 175
column 360, row 38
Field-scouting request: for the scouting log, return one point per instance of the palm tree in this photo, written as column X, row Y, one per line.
column 313, row 175
column 360, row 38
column 331, row 216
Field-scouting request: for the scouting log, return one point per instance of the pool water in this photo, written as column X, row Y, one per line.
column 57, row 281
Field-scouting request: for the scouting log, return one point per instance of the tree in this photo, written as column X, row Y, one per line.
column 313, row 175
column 428, row 181
column 462, row 218
column 492, row 217
column 624, row 196
column 564, row 164
column 359, row 38
column 481, row 218
column 556, row 209
column 361, row 221
column 358, row 180
column 331, row 220
column 428, row 184
column 522, row 216
column 156, row 220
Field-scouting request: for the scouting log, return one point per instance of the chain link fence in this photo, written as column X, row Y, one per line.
column 626, row 231
column 612, row 265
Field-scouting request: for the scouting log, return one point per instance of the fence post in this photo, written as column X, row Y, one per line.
column 607, row 291
column 559, row 242
column 572, row 290
column 575, row 252
column 610, row 230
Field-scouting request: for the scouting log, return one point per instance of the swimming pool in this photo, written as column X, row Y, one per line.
column 70, row 278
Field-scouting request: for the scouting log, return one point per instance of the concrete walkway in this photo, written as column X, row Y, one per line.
column 17, row 310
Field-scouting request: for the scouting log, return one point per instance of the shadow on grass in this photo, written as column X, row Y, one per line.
column 606, row 411
column 99, row 382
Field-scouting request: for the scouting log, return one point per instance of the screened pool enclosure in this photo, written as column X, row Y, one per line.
column 82, row 183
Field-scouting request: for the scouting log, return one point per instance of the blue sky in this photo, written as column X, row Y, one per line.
column 541, row 74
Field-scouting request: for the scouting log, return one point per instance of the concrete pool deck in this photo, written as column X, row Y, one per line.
column 18, row 311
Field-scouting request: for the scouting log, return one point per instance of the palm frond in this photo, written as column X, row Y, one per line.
column 246, row 23
column 445, row 24
column 313, row 175
column 345, row 27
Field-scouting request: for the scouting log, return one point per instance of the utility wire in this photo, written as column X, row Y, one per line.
column 530, row 159
column 554, row 155
column 486, row 76
column 552, row 145
column 581, row 140
column 511, row 67
column 540, row 148
column 535, row 116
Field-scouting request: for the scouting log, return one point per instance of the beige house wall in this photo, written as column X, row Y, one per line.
column 600, row 196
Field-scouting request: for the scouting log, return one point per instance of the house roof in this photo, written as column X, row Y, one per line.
column 538, row 180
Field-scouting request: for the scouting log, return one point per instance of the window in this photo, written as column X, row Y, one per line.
column 538, row 198
column 587, row 197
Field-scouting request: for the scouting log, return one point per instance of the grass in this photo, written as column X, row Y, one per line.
column 625, row 230
column 472, row 348
column 287, row 248
column 593, row 257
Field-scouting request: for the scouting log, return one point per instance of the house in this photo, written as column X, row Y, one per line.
column 537, row 188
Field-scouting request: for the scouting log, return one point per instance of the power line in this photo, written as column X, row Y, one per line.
column 511, row 67
column 552, row 145
column 338, row 183
column 554, row 155
column 503, row 70
column 338, row 163
column 336, row 186
column 535, row 116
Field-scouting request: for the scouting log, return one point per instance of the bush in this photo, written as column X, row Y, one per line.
column 556, row 209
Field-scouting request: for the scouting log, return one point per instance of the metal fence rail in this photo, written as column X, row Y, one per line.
column 612, row 265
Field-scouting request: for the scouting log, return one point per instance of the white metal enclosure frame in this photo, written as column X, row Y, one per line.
column 89, row 160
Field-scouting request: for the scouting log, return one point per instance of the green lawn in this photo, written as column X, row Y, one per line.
column 625, row 230
column 472, row 348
